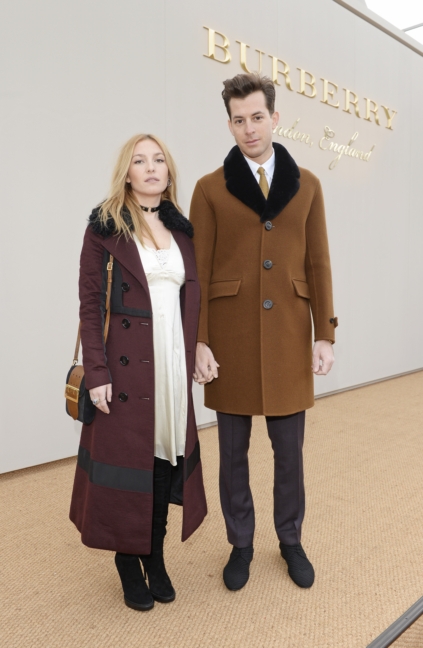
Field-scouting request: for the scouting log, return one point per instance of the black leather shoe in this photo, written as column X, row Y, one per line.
column 237, row 570
column 135, row 591
column 300, row 568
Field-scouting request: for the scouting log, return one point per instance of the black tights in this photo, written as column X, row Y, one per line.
column 162, row 479
column 161, row 496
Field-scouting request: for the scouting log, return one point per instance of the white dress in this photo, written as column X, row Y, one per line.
column 165, row 274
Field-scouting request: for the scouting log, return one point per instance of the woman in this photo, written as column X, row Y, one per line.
column 141, row 452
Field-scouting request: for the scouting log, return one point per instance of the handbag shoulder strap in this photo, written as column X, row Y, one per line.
column 78, row 342
column 107, row 321
column 108, row 294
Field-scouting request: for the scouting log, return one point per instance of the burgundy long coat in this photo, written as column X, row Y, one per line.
column 112, row 500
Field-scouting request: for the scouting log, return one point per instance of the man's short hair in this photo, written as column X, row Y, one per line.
column 243, row 85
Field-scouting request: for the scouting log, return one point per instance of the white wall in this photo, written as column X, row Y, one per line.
column 81, row 77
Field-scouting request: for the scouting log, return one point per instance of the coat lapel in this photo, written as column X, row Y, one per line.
column 126, row 252
column 241, row 184
column 187, row 255
column 190, row 299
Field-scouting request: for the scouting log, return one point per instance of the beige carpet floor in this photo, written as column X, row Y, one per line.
column 363, row 532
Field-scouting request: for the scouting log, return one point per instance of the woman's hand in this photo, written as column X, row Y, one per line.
column 205, row 364
column 102, row 395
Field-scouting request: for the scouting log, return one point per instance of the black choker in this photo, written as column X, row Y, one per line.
column 150, row 209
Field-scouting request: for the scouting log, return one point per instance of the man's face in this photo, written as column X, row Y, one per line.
column 251, row 124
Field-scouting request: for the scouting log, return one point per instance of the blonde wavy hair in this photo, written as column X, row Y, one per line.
column 121, row 194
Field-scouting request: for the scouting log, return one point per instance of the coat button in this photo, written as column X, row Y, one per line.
column 126, row 323
column 124, row 360
column 123, row 397
column 331, row 320
column 267, row 304
column 125, row 287
column 268, row 225
column 267, row 264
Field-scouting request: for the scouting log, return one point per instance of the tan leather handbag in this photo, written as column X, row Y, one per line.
column 78, row 401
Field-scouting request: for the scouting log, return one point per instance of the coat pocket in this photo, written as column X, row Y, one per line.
column 224, row 288
column 301, row 288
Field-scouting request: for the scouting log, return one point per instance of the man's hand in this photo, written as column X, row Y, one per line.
column 323, row 357
column 103, row 395
column 205, row 364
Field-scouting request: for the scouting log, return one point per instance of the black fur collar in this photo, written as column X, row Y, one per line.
column 285, row 183
column 168, row 214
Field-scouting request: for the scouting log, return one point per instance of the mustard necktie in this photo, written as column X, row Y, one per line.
column 263, row 182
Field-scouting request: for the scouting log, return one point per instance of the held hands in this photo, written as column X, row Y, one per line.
column 205, row 364
column 100, row 396
column 323, row 357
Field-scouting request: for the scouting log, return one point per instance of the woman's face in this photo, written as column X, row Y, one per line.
column 148, row 172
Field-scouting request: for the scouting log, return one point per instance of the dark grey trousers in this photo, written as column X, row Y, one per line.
column 287, row 436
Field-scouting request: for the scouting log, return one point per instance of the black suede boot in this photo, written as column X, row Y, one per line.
column 135, row 591
column 158, row 580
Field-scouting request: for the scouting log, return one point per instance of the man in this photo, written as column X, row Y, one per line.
column 263, row 262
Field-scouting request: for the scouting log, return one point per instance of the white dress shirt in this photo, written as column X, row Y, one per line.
column 268, row 166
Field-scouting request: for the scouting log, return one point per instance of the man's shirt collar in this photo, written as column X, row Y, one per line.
column 268, row 166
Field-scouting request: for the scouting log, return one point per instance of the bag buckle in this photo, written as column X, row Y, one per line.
column 72, row 393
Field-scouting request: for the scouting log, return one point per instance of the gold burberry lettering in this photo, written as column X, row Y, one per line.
column 303, row 83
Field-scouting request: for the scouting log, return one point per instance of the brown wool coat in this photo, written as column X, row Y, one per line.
column 256, row 319
column 112, row 500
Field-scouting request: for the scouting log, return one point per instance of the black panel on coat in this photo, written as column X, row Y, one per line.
column 192, row 461
column 101, row 474
column 116, row 301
